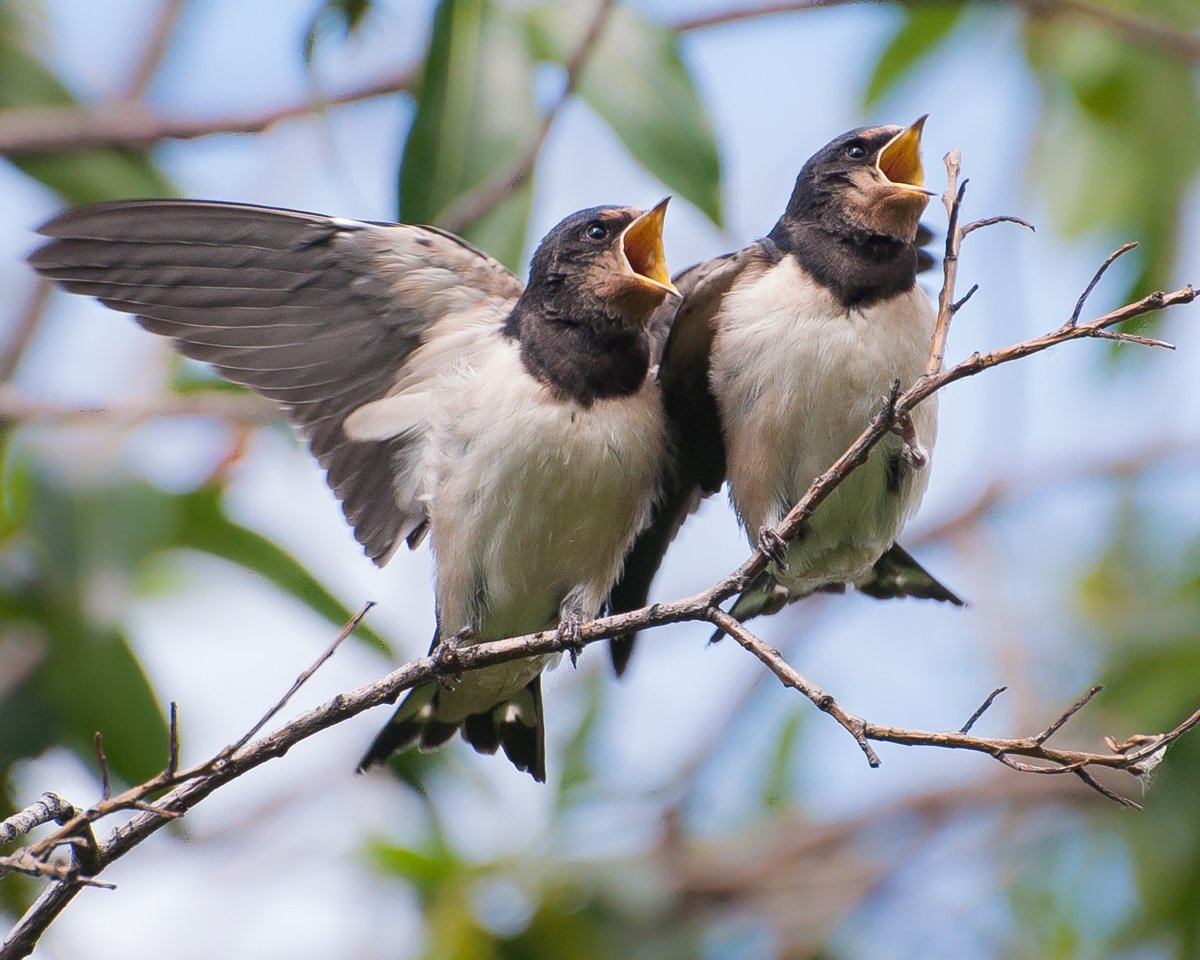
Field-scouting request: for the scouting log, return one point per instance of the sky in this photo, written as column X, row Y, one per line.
column 777, row 90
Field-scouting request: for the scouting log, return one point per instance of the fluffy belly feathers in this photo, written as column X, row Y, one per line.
column 534, row 504
column 798, row 377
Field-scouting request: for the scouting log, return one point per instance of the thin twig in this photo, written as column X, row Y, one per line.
column 173, row 741
column 1135, row 27
column 791, row 677
column 240, row 408
column 347, row 629
column 952, row 199
column 1068, row 714
column 155, row 48
column 486, row 196
column 983, row 708
column 35, row 130
column 1087, row 291
column 49, row 807
column 102, row 760
column 28, row 320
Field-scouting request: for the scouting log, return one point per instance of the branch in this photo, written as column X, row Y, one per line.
column 489, row 194
column 155, row 49
column 135, row 126
column 1137, row 28
column 242, row 408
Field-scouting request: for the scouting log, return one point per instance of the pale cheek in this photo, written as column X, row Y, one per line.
column 628, row 296
column 896, row 213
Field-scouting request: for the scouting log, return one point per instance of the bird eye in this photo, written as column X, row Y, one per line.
column 596, row 231
column 855, row 151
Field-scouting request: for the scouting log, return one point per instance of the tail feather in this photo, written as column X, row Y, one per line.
column 895, row 574
column 516, row 725
column 404, row 728
column 519, row 725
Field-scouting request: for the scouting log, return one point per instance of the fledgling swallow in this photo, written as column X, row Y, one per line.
column 776, row 361
column 516, row 424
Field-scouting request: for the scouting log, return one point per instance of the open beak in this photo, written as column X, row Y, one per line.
column 642, row 244
column 900, row 159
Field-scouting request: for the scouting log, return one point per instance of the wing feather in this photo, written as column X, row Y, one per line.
column 320, row 314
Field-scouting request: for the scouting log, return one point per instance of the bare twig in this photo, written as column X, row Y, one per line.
column 1087, row 291
column 316, row 665
column 1134, row 27
column 173, row 741
column 1068, row 714
column 242, row 408
column 489, row 194
column 102, row 761
column 952, row 199
column 157, row 41
column 135, row 126
column 28, row 320
column 983, row 708
column 48, row 807
column 793, row 678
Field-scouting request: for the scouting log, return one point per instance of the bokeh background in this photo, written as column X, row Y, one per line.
column 164, row 538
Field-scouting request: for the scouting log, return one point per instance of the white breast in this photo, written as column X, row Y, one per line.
column 797, row 378
column 533, row 500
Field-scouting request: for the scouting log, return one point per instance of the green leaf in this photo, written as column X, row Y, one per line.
column 475, row 118
column 637, row 82
column 922, row 30
column 203, row 526
column 1119, row 142
column 68, row 577
column 79, row 176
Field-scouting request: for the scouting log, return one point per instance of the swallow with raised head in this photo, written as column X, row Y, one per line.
column 776, row 361
column 516, row 424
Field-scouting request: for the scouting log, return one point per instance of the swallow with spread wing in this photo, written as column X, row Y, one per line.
column 517, row 424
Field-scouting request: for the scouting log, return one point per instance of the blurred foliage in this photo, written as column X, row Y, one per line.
column 85, row 176
column 1118, row 144
column 636, row 81
column 475, row 116
column 1117, row 152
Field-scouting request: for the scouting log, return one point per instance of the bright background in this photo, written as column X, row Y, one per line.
column 1078, row 573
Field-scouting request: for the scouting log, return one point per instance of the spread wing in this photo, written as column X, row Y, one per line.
column 325, row 316
column 699, row 453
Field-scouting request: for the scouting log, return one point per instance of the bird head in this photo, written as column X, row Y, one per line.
column 868, row 180
column 605, row 264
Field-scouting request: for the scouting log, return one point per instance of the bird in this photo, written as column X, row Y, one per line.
column 517, row 425
column 776, row 360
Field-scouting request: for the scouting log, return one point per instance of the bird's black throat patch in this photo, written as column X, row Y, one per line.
column 861, row 269
column 580, row 360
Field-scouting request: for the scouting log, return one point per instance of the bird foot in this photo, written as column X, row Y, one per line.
column 915, row 455
column 446, row 663
column 569, row 634
column 773, row 546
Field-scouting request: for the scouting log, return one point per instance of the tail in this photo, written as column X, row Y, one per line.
column 895, row 574
column 514, row 725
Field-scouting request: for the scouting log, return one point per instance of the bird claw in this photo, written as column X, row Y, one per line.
column 915, row 455
column 446, row 664
column 569, row 634
column 773, row 546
